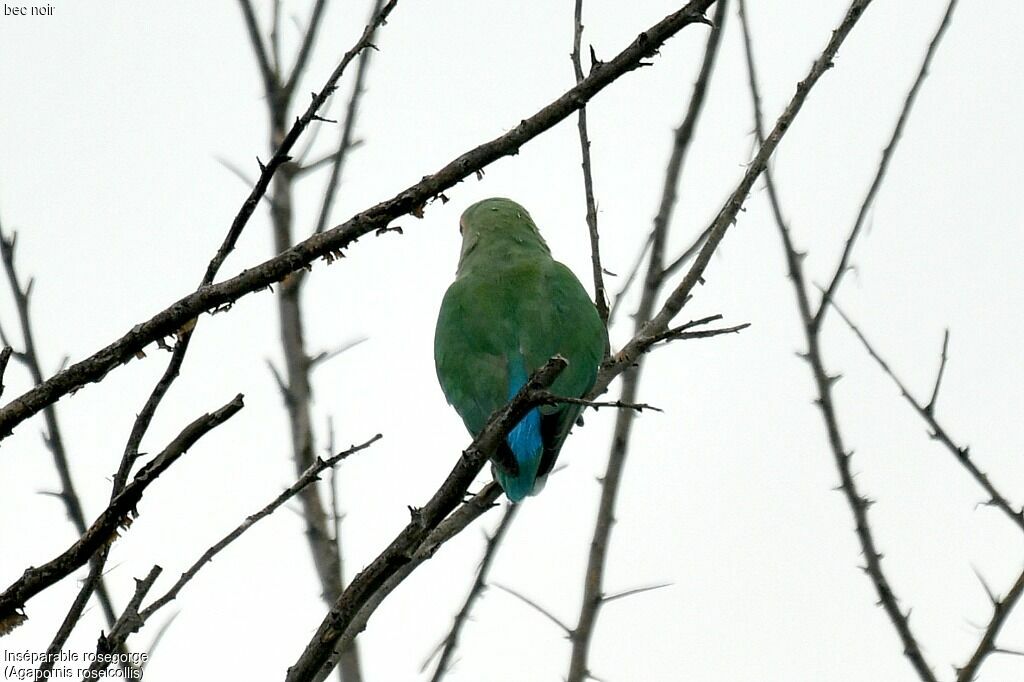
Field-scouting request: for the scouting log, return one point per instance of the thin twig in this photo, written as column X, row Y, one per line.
column 600, row 297
column 938, row 377
column 308, row 478
column 636, row 590
column 686, row 256
column 536, row 607
column 450, row 643
column 308, row 38
column 267, row 73
column 547, row 398
column 1000, row 610
column 883, row 166
column 630, row 278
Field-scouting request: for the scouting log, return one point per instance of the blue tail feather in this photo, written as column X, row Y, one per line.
column 524, row 441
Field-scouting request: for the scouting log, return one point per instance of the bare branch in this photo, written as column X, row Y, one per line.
column 141, row 617
column 450, row 643
column 686, row 256
column 961, row 453
column 240, row 174
column 636, row 590
column 883, row 166
column 546, row 398
column 938, row 377
column 1000, row 610
column 857, row 502
column 308, row 38
column 630, row 278
column 267, row 73
column 308, row 478
column 348, row 128
column 104, row 530
column 600, row 297
column 126, row 624
column 536, row 607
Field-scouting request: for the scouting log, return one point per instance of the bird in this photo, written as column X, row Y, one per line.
column 511, row 308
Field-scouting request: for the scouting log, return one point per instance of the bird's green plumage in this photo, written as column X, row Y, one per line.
column 510, row 309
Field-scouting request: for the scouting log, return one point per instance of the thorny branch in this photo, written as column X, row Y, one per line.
column 600, row 297
column 1001, row 608
column 811, row 322
column 961, row 453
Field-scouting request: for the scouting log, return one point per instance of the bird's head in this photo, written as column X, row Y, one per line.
column 498, row 227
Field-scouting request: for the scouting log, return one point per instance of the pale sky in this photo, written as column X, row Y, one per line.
column 113, row 116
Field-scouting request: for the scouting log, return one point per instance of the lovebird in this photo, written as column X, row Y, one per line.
column 510, row 309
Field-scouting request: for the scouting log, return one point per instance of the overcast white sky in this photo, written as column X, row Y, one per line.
column 112, row 117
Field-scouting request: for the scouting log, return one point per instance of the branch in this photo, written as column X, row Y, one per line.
column 338, row 158
column 883, row 166
column 331, row 242
column 630, row 278
column 962, row 454
column 547, row 398
column 315, row 20
column 538, row 608
column 459, row 520
column 450, row 643
column 1000, row 610
column 938, row 377
column 126, row 624
column 267, row 73
column 643, row 339
column 600, row 297
column 403, row 549
column 858, row 503
column 104, row 530
column 5, row 357
column 311, row 475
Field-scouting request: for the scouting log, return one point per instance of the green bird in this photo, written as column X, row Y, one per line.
column 510, row 309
